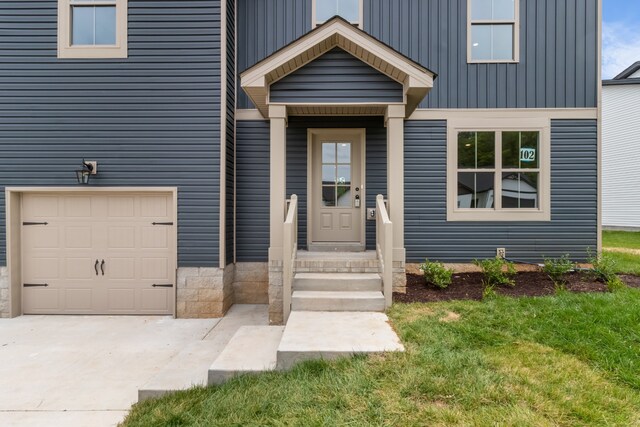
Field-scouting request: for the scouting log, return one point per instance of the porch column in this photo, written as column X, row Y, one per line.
column 277, row 196
column 394, row 121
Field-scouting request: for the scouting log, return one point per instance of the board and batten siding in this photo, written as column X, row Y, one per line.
column 336, row 76
column 558, row 49
column 152, row 119
column 621, row 155
column 252, row 160
column 230, row 131
column 573, row 225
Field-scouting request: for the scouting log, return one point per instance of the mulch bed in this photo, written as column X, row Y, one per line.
column 468, row 286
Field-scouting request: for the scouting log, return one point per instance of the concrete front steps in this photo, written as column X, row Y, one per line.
column 307, row 336
column 337, row 310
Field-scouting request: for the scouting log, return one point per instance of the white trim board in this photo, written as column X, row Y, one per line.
column 445, row 114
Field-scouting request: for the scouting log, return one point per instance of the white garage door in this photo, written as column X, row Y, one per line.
column 98, row 253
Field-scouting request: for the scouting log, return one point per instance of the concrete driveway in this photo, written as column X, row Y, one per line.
column 84, row 370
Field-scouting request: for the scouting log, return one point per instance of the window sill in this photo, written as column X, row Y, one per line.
column 92, row 52
column 497, row 61
column 490, row 215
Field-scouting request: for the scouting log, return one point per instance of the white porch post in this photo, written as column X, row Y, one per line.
column 394, row 121
column 277, row 195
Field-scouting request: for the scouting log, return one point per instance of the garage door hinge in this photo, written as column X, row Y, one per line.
column 35, row 223
column 162, row 286
column 33, row 285
column 161, row 223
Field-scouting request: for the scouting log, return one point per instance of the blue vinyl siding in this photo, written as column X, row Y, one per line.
column 558, row 49
column 573, row 225
column 252, row 191
column 336, row 76
column 152, row 119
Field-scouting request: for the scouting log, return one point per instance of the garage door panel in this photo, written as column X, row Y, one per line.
column 121, row 237
column 156, row 207
column 41, row 300
column 80, row 268
column 155, row 300
column 79, row 237
column 79, row 207
column 121, row 268
column 37, row 207
column 154, row 268
column 155, row 237
column 41, row 237
column 79, row 300
column 120, row 207
column 121, row 300
column 115, row 228
column 41, row 269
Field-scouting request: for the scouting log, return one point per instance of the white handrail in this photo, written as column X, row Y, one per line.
column 384, row 248
column 290, row 248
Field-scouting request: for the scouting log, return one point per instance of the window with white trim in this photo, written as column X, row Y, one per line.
column 350, row 10
column 92, row 28
column 493, row 31
column 498, row 173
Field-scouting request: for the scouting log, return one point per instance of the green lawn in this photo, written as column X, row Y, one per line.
column 628, row 263
column 621, row 239
column 570, row 359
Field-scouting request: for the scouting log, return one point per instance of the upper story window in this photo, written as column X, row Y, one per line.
column 493, row 31
column 323, row 10
column 92, row 28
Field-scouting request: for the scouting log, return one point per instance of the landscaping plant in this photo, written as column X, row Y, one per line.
column 497, row 271
column 604, row 269
column 437, row 274
column 557, row 268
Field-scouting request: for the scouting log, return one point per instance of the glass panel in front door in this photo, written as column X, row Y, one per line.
column 336, row 174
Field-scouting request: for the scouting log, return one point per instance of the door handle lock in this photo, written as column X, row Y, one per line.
column 102, row 267
column 357, row 201
column 96, row 267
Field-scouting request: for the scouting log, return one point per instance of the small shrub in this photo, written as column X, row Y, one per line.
column 557, row 268
column 437, row 273
column 497, row 271
column 604, row 269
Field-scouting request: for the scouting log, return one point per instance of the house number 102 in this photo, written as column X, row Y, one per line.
column 527, row 154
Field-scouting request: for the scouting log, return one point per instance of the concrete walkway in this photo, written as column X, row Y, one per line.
column 84, row 370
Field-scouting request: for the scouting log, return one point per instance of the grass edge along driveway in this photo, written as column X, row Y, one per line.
column 570, row 359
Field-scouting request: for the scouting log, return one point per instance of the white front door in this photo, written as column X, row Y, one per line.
column 337, row 192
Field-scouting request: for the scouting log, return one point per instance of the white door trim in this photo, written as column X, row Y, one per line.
column 362, row 134
column 13, row 206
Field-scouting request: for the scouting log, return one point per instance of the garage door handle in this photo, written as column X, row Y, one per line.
column 102, row 267
column 162, row 286
column 96, row 266
column 34, row 223
column 33, row 285
column 161, row 223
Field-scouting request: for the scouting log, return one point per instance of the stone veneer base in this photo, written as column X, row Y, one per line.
column 251, row 283
column 204, row 292
column 4, row 292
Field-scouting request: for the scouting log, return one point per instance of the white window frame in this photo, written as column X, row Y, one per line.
column 315, row 23
column 516, row 35
column 67, row 50
column 542, row 213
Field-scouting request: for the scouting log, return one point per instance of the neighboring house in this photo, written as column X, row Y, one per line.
column 621, row 150
column 476, row 120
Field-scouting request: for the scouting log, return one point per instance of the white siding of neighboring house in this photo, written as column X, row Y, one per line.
column 635, row 75
column 621, row 156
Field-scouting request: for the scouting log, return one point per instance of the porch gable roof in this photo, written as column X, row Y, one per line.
column 417, row 80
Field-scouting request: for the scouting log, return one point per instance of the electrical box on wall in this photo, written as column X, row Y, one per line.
column 501, row 252
column 371, row 214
